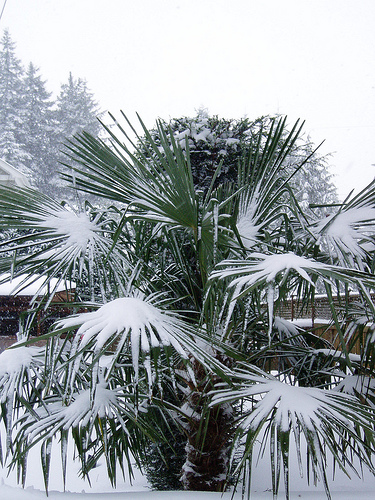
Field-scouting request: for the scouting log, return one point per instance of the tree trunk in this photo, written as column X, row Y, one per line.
column 209, row 432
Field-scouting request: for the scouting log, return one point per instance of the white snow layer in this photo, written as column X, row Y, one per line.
column 129, row 318
column 263, row 267
column 14, row 360
column 349, row 227
column 77, row 228
column 30, row 285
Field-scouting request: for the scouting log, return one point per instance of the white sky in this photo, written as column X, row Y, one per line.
column 308, row 59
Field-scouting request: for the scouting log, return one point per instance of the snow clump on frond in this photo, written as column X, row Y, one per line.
column 82, row 409
column 14, row 363
column 262, row 269
column 247, row 226
column 348, row 231
column 131, row 323
column 77, row 230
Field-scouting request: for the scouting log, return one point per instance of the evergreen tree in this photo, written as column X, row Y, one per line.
column 34, row 127
column 11, row 106
column 38, row 129
column 76, row 111
column 214, row 141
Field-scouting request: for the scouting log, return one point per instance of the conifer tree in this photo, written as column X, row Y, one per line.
column 76, row 111
column 214, row 141
column 38, row 129
column 11, row 109
column 34, row 126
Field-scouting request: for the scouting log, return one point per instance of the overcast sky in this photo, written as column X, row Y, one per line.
column 308, row 59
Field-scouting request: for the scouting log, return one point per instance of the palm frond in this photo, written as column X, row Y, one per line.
column 324, row 419
column 59, row 243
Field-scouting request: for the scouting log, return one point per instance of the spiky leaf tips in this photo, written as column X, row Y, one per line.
column 180, row 290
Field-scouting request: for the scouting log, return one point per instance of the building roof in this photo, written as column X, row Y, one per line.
column 10, row 176
column 31, row 285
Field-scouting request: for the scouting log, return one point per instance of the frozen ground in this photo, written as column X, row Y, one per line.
column 341, row 488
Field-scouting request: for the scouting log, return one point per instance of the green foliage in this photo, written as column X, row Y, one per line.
column 217, row 146
column 180, row 319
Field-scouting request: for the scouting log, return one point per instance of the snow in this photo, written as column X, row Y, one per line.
column 30, row 285
column 78, row 229
column 13, row 494
column 131, row 319
column 55, row 416
column 263, row 268
column 308, row 322
column 342, row 489
column 78, row 489
column 349, row 227
column 14, row 360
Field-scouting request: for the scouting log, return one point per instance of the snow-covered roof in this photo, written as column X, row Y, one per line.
column 11, row 176
column 309, row 323
column 33, row 285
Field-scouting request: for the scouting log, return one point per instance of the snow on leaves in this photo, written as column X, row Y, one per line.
column 247, row 221
column 348, row 232
column 131, row 323
column 13, row 364
column 279, row 411
column 262, row 269
column 82, row 409
column 78, row 232
column 292, row 405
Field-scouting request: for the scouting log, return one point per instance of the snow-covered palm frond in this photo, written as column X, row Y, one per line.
column 286, row 328
column 60, row 242
column 21, row 371
column 135, row 325
column 323, row 418
column 349, row 233
column 271, row 272
column 273, row 269
column 260, row 269
column 15, row 363
column 267, row 198
column 358, row 385
column 83, row 407
column 106, row 417
column 247, row 220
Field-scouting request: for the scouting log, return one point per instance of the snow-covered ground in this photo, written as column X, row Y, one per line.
column 77, row 489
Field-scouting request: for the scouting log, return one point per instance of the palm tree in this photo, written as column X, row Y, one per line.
column 176, row 316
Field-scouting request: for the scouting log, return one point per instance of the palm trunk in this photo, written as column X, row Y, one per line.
column 209, row 432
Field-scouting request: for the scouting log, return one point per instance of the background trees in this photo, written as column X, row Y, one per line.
column 214, row 141
column 184, row 289
column 12, row 149
column 34, row 126
column 37, row 133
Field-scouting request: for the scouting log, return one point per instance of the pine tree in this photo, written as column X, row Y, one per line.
column 38, row 131
column 34, row 127
column 11, row 106
column 76, row 111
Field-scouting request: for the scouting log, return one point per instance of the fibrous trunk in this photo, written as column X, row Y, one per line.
column 209, row 432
